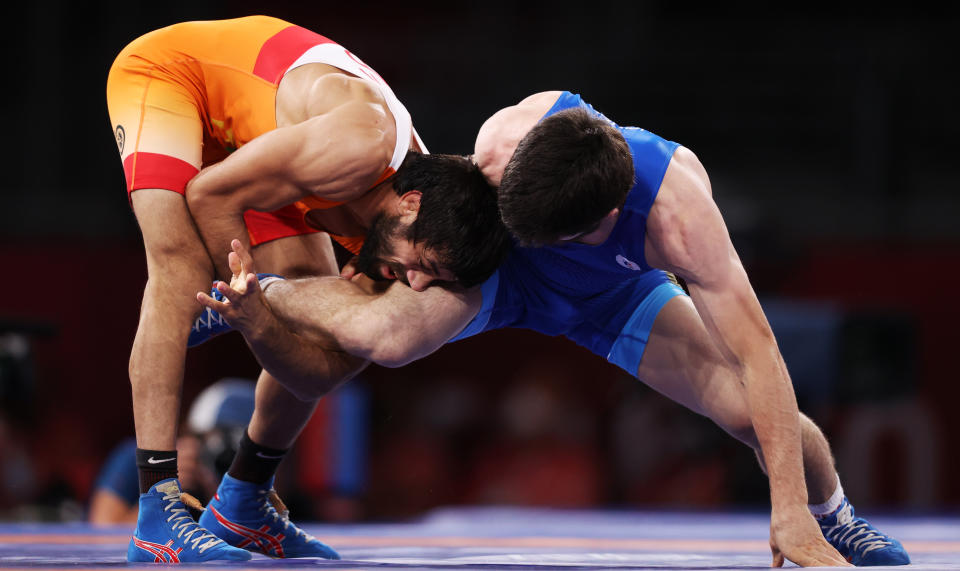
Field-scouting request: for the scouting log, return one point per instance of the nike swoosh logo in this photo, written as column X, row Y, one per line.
column 265, row 456
column 150, row 460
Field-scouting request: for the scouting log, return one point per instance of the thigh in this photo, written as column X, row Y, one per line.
column 156, row 121
column 297, row 256
column 681, row 362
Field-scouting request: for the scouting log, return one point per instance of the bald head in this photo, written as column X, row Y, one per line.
column 501, row 133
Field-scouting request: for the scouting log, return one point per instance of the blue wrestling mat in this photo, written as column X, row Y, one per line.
column 502, row 538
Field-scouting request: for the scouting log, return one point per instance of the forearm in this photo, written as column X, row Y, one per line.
column 776, row 422
column 390, row 326
column 218, row 216
column 736, row 322
column 261, row 175
column 307, row 369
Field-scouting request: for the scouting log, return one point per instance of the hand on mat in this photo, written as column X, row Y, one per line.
column 245, row 308
column 796, row 536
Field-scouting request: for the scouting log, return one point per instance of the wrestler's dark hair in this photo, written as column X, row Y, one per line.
column 458, row 217
column 566, row 174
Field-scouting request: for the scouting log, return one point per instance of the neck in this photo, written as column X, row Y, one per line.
column 378, row 199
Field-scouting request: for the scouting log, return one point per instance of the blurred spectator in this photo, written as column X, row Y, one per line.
column 544, row 454
column 215, row 424
column 219, row 416
column 116, row 492
column 17, row 473
column 666, row 455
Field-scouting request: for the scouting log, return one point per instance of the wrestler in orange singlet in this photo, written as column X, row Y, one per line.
column 263, row 131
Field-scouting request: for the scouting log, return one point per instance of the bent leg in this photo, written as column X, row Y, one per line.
column 681, row 362
column 278, row 416
column 177, row 266
column 243, row 509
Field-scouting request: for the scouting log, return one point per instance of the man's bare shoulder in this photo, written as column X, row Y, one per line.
column 501, row 133
column 316, row 89
column 686, row 172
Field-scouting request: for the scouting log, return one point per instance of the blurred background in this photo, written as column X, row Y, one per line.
column 831, row 142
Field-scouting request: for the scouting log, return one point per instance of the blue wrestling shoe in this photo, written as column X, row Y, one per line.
column 210, row 323
column 245, row 515
column 858, row 541
column 167, row 534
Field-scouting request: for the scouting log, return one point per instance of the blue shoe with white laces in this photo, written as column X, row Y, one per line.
column 167, row 534
column 858, row 541
column 211, row 323
column 246, row 515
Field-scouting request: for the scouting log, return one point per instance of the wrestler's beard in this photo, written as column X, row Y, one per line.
column 376, row 246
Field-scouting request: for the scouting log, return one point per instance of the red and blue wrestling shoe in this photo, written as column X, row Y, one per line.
column 210, row 323
column 858, row 541
column 166, row 533
column 252, row 517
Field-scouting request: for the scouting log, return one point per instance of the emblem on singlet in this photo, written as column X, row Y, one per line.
column 629, row 264
column 121, row 137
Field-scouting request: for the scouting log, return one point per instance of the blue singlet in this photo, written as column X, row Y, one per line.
column 604, row 297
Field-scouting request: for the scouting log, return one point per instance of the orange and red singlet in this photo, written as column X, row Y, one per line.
column 184, row 96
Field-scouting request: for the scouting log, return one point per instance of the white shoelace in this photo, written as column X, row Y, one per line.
column 855, row 533
column 186, row 525
column 284, row 516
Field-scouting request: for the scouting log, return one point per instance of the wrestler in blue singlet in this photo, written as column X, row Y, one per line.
column 604, row 297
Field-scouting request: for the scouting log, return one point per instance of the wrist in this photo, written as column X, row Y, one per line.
column 788, row 497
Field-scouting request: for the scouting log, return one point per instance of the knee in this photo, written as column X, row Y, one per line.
column 178, row 260
column 311, row 389
column 309, row 395
column 168, row 299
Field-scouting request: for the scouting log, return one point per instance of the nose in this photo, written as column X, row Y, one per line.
column 418, row 280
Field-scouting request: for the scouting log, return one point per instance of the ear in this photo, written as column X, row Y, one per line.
column 409, row 203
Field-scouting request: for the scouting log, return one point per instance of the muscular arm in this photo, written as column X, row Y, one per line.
column 313, row 333
column 390, row 326
column 337, row 155
column 686, row 235
column 306, row 368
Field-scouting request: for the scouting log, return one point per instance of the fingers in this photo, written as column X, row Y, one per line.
column 837, row 560
column 246, row 260
column 236, row 266
column 228, row 292
column 207, row 301
column 777, row 556
column 349, row 269
column 821, row 562
column 830, row 556
column 809, row 556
